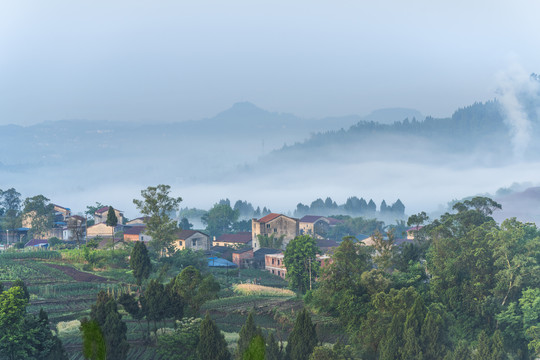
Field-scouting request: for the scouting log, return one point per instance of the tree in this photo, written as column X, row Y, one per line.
column 156, row 302
column 105, row 313
column 14, row 342
column 385, row 250
column 23, row 287
column 91, row 211
column 94, row 347
column 184, row 224
column 256, row 349
column 272, row 348
column 112, row 221
column 40, row 213
column 270, row 241
column 342, row 291
column 139, row 262
column 157, row 204
column 194, row 289
column 300, row 260
column 220, row 219
column 303, row 338
column 212, row 344
column 247, row 333
column 398, row 208
column 11, row 206
column 182, row 343
column 77, row 227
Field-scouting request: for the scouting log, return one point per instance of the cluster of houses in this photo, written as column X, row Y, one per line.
column 242, row 249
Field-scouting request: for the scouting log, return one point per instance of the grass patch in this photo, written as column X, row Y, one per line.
column 261, row 290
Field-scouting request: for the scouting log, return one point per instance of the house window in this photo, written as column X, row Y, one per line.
column 275, row 230
column 278, row 262
column 272, row 261
column 279, row 273
column 272, row 271
column 180, row 242
column 194, row 243
column 268, row 226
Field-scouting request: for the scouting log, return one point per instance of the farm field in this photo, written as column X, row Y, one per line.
column 57, row 283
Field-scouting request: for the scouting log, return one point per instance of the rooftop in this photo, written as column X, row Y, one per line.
column 241, row 237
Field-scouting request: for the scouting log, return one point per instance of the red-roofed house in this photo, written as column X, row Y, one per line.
column 100, row 216
column 234, row 240
column 276, row 224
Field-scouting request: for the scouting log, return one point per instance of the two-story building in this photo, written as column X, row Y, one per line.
column 100, row 216
column 192, row 239
column 277, row 225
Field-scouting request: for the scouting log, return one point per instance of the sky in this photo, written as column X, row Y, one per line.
column 167, row 61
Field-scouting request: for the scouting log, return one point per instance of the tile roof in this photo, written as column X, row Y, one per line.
column 102, row 210
column 269, row 217
column 184, row 234
column 326, row 243
column 264, row 251
column 135, row 230
column 241, row 251
column 311, row 218
column 36, row 242
column 241, row 237
column 334, row 221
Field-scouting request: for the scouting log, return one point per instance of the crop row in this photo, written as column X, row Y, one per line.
column 32, row 254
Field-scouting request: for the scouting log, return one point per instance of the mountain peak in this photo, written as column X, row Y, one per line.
column 242, row 110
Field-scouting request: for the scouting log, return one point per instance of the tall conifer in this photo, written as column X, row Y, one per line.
column 302, row 339
column 212, row 344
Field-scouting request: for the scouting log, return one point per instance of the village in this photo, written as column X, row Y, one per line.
column 262, row 248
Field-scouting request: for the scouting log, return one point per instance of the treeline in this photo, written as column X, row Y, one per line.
column 353, row 206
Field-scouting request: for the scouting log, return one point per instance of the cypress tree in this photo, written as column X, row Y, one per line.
column 94, row 347
column 105, row 313
column 256, row 349
column 392, row 342
column 483, row 349
column 140, row 262
column 302, row 339
column 247, row 333
column 272, row 349
column 112, row 220
column 497, row 346
column 412, row 330
column 212, row 344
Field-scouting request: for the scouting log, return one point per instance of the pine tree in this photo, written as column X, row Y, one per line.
column 411, row 334
column 497, row 346
column 256, row 349
column 94, row 347
column 140, row 262
column 272, row 349
column 105, row 313
column 483, row 349
column 112, row 221
column 392, row 342
column 247, row 333
column 212, row 344
column 303, row 338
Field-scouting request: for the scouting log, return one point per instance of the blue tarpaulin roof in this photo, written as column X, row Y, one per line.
column 219, row 262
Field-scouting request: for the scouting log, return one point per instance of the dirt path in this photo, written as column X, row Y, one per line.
column 78, row 275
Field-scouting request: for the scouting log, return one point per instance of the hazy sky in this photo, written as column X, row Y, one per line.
column 179, row 60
